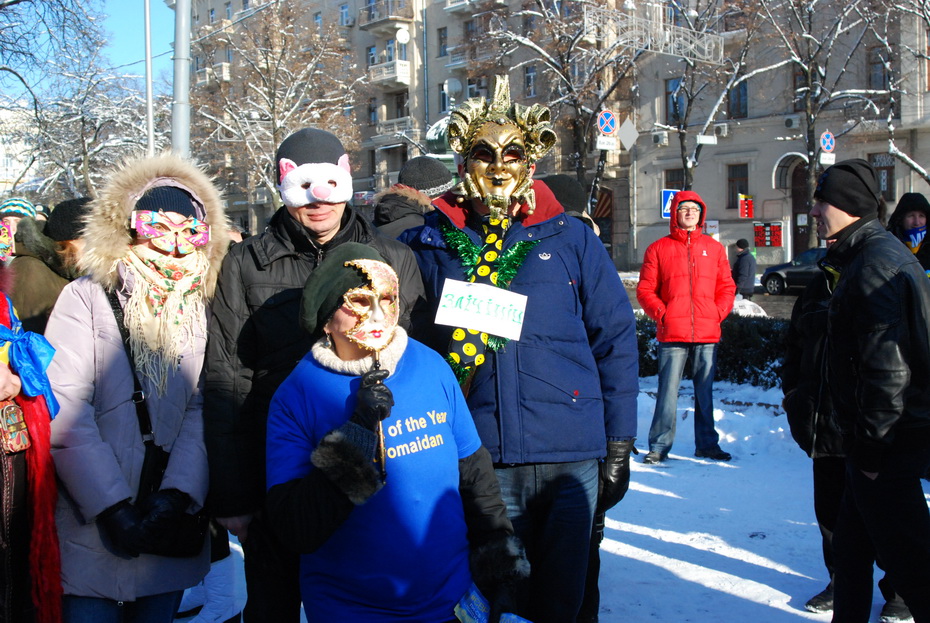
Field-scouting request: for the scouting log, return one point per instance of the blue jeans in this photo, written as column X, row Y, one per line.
column 551, row 506
column 672, row 358
column 152, row 609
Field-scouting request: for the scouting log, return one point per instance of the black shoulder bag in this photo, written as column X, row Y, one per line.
column 192, row 529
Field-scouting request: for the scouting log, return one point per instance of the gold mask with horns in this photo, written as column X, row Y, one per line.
column 500, row 141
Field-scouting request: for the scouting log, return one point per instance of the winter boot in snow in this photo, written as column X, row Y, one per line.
column 894, row 610
column 192, row 601
column 822, row 601
column 220, row 591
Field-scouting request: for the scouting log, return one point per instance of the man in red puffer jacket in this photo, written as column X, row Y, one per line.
column 686, row 287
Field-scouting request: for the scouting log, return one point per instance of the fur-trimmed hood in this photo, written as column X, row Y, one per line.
column 106, row 225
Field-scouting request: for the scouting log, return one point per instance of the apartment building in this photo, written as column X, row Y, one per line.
column 422, row 57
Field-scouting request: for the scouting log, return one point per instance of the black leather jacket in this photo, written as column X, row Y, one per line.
column 878, row 348
column 255, row 341
column 807, row 400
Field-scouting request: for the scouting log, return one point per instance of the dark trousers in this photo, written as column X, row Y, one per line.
column 829, row 482
column 591, row 604
column 272, row 577
column 885, row 518
column 551, row 506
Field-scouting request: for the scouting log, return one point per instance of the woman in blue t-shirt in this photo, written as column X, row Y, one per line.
column 376, row 474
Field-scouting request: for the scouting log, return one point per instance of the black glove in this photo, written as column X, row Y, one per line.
column 161, row 518
column 614, row 477
column 123, row 525
column 496, row 568
column 374, row 400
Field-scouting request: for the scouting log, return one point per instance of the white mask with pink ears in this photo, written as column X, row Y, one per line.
column 314, row 182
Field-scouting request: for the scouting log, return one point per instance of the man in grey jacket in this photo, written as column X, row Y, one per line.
column 256, row 340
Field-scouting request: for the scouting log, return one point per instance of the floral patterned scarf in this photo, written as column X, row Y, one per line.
column 165, row 309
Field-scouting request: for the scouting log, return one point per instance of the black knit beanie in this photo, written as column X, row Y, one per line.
column 322, row 294
column 167, row 199
column 428, row 175
column 852, row 186
column 67, row 219
column 742, row 243
column 567, row 191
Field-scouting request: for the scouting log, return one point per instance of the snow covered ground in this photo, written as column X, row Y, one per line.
column 699, row 541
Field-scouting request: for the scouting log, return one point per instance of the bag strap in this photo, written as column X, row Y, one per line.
column 138, row 395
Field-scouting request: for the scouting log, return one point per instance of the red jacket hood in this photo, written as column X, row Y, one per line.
column 546, row 207
column 680, row 197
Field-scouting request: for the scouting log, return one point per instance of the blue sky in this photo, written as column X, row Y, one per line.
column 125, row 30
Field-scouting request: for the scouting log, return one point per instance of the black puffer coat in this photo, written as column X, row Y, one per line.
column 256, row 340
column 398, row 209
column 807, row 400
column 878, row 347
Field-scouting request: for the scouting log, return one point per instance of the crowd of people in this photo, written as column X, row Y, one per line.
column 425, row 417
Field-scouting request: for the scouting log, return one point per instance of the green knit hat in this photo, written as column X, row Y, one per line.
column 323, row 291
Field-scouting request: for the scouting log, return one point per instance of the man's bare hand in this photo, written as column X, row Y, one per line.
column 10, row 384
column 237, row 526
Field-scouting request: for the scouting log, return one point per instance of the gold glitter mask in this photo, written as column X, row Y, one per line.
column 376, row 306
column 497, row 166
column 489, row 135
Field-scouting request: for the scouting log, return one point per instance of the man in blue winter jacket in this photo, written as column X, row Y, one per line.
column 553, row 400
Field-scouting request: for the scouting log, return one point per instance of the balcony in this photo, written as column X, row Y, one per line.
column 392, row 131
column 391, row 74
column 385, row 16
column 210, row 77
column 473, row 6
column 465, row 55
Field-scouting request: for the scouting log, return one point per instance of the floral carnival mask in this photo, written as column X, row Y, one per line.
column 166, row 235
column 375, row 305
column 6, row 243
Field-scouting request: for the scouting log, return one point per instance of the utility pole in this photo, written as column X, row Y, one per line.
column 181, row 106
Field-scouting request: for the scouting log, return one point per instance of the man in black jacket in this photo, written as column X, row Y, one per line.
column 256, row 340
column 878, row 363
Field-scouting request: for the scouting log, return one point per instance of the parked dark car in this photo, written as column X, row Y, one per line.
column 797, row 273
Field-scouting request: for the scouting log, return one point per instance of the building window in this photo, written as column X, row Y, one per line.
column 529, row 23
column 245, row 5
column 373, row 163
column 401, row 51
column 738, row 101
column 344, row 15
column 229, row 54
column 884, row 167
column 477, row 87
column 229, row 10
column 212, row 15
column 443, row 98
column 401, row 108
column 674, row 179
column 442, row 41
column 529, row 81
column 371, row 55
column 372, row 111
column 737, row 184
column 878, row 77
column 674, row 102
column 389, row 48
column 318, row 20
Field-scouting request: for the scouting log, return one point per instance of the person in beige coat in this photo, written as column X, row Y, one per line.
column 155, row 238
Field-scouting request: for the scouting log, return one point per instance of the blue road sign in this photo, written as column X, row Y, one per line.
column 828, row 142
column 606, row 122
column 667, row 196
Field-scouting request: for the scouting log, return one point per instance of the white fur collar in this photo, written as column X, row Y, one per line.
column 389, row 356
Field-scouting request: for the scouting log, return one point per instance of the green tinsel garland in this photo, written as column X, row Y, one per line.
column 508, row 263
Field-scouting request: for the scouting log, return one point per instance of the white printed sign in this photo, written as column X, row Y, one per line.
column 481, row 307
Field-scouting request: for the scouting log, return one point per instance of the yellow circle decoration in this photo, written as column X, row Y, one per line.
column 484, row 338
column 473, row 331
column 490, row 256
column 479, row 360
column 484, row 271
column 492, row 237
column 458, row 335
column 455, row 357
column 499, row 244
column 469, row 349
column 494, row 278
